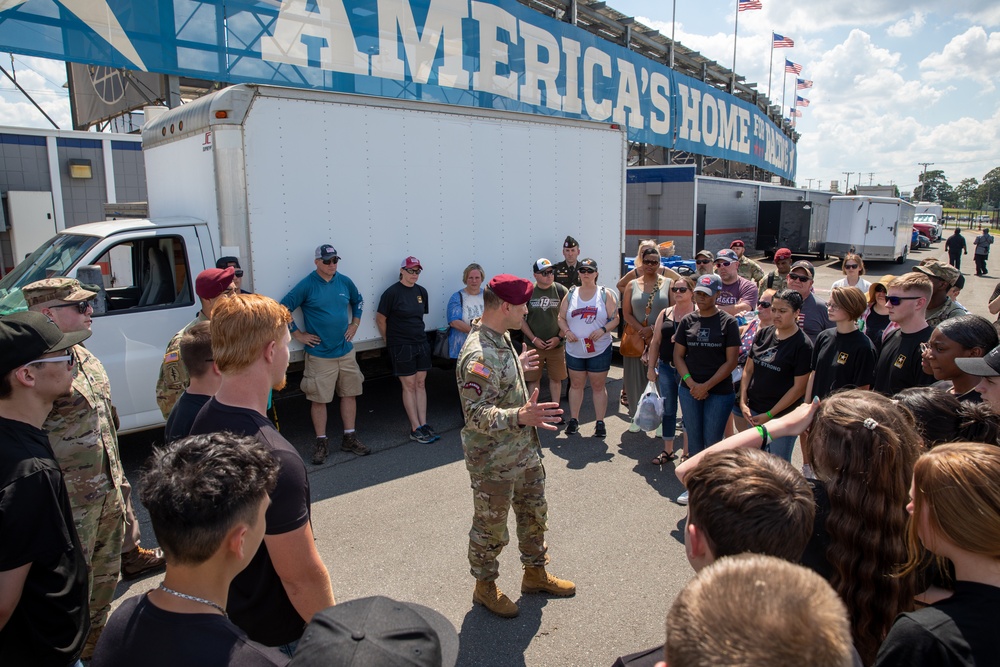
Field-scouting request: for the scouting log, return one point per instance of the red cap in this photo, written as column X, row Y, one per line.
column 737, row 242
column 513, row 290
column 410, row 262
column 782, row 253
column 213, row 282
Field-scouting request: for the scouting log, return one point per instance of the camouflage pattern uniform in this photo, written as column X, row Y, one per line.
column 950, row 308
column 85, row 443
column 778, row 283
column 174, row 377
column 750, row 270
column 503, row 458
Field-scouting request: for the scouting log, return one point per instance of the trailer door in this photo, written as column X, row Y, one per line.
column 882, row 220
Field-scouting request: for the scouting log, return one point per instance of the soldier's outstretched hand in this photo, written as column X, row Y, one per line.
column 529, row 358
column 542, row 415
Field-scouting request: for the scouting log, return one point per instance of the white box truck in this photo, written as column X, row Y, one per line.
column 877, row 228
column 267, row 174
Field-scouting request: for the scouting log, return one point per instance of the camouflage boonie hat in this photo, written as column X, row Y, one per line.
column 55, row 289
column 935, row 269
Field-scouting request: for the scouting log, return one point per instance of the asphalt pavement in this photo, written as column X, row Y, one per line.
column 396, row 522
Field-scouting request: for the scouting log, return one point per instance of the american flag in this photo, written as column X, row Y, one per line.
column 781, row 42
column 801, row 101
column 795, row 113
column 746, row 5
column 803, row 84
column 792, row 68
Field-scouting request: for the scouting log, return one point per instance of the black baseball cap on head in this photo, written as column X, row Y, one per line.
column 988, row 366
column 377, row 632
column 586, row 263
column 223, row 262
column 803, row 264
column 27, row 335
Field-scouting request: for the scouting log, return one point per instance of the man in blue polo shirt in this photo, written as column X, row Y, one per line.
column 331, row 309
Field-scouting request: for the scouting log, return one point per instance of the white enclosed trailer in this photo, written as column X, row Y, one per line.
column 877, row 228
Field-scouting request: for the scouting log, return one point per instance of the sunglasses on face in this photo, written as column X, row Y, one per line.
column 587, row 271
column 722, row 263
column 81, row 306
column 413, row 272
column 702, row 261
column 546, row 272
column 762, row 305
column 238, row 273
column 332, row 260
column 896, row 300
column 678, row 290
column 69, row 358
column 851, row 266
column 650, row 262
column 802, row 279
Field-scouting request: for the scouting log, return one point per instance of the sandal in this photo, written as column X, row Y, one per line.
column 663, row 457
column 683, row 458
column 624, row 399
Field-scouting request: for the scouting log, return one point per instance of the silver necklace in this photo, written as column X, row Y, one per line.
column 194, row 599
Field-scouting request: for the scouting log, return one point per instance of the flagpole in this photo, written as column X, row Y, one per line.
column 784, row 86
column 770, row 67
column 673, row 44
column 736, row 29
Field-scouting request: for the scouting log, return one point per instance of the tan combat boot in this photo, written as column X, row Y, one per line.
column 537, row 580
column 491, row 597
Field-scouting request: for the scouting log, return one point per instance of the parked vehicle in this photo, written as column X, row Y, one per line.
column 928, row 225
column 267, row 174
column 930, row 208
column 877, row 228
column 792, row 224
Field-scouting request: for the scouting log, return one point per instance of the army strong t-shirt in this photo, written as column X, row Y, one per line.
column 705, row 340
column 898, row 365
column 841, row 361
column 776, row 364
column 404, row 309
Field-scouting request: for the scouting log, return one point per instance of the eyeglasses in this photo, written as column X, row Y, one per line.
column 650, row 262
column 795, row 276
column 896, row 300
column 851, row 266
column 678, row 290
column 81, row 306
column 587, row 271
column 926, row 348
column 69, row 358
column 413, row 272
column 761, row 305
column 722, row 263
column 332, row 260
column 702, row 261
column 238, row 273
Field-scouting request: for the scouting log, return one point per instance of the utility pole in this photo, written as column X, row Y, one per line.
column 847, row 185
column 871, row 175
column 810, row 182
column 923, row 181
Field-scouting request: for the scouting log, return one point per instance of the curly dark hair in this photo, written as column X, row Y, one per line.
column 864, row 450
column 941, row 417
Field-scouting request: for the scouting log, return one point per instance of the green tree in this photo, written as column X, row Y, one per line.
column 968, row 193
column 934, row 188
column 989, row 190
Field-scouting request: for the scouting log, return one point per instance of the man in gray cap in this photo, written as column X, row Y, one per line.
column 43, row 574
column 331, row 308
column 502, row 450
column 943, row 278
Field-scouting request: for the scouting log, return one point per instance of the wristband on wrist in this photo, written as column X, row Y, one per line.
column 765, row 437
column 769, row 415
column 684, row 379
column 604, row 330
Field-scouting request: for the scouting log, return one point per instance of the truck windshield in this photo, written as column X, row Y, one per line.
column 54, row 258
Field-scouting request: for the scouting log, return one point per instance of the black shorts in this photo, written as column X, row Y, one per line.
column 410, row 359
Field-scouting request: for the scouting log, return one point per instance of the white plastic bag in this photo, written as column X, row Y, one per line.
column 649, row 412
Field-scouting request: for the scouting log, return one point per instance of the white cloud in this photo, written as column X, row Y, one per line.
column 43, row 80
column 972, row 55
column 906, row 27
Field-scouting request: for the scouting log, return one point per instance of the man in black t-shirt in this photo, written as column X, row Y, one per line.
column 898, row 365
column 207, row 496
column 44, row 619
column 250, row 347
column 205, row 378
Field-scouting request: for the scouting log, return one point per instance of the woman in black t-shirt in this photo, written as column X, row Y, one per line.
column 842, row 356
column 955, row 514
column 660, row 360
column 777, row 369
column 876, row 318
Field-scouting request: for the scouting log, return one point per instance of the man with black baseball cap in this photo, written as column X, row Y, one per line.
column 43, row 575
column 502, row 449
column 229, row 261
column 988, row 368
column 813, row 317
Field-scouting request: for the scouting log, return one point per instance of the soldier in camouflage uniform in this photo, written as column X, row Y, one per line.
column 748, row 268
column 210, row 285
column 83, row 438
column 502, row 450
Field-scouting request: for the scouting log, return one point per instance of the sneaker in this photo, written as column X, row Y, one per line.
column 139, row 561
column 320, row 451
column 572, row 427
column 353, row 445
column 426, row 428
column 421, row 437
column 600, row 431
column 682, row 499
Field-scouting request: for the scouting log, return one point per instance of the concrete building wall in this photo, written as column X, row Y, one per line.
column 659, row 204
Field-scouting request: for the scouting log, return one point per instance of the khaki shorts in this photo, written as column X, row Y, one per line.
column 553, row 360
column 322, row 377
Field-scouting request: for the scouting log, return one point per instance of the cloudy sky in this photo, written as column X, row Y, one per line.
column 896, row 83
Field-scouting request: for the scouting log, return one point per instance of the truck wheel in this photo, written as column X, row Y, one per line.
column 900, row 259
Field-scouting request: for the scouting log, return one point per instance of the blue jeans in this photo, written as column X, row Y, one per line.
column 780, row 447
column 704, row 421
column 669, row 381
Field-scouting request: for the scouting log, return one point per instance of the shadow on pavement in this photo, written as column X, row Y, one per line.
column 486, row 640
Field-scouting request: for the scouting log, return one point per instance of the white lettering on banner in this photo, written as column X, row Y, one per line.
column 690, row 100
column 592, row 59
column 493, row 51
column 443, row 24
column 572, row 102
column 302, row 37
column 659, row 96
column 539, row 73
column 628, row 96
column 709, row 120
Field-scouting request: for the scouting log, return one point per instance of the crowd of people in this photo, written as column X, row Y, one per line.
column 882, row 550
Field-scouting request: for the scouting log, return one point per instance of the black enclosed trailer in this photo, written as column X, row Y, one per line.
column 799, row 225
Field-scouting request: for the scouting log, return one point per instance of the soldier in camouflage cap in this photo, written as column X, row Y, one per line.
column 83, row 438
column 502, row 450
column 211, row 285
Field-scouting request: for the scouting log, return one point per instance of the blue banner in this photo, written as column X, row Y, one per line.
column 496, row 54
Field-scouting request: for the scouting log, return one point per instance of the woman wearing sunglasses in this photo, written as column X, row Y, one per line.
column 660, row 358
column 876, row 317
column 843, row 356
column 642, row 301
column 955, row 514
column 400, row 320
column 853, row 269
column 777, row 371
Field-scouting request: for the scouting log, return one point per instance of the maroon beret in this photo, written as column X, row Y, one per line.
column 513, row 290
column 213, row 282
